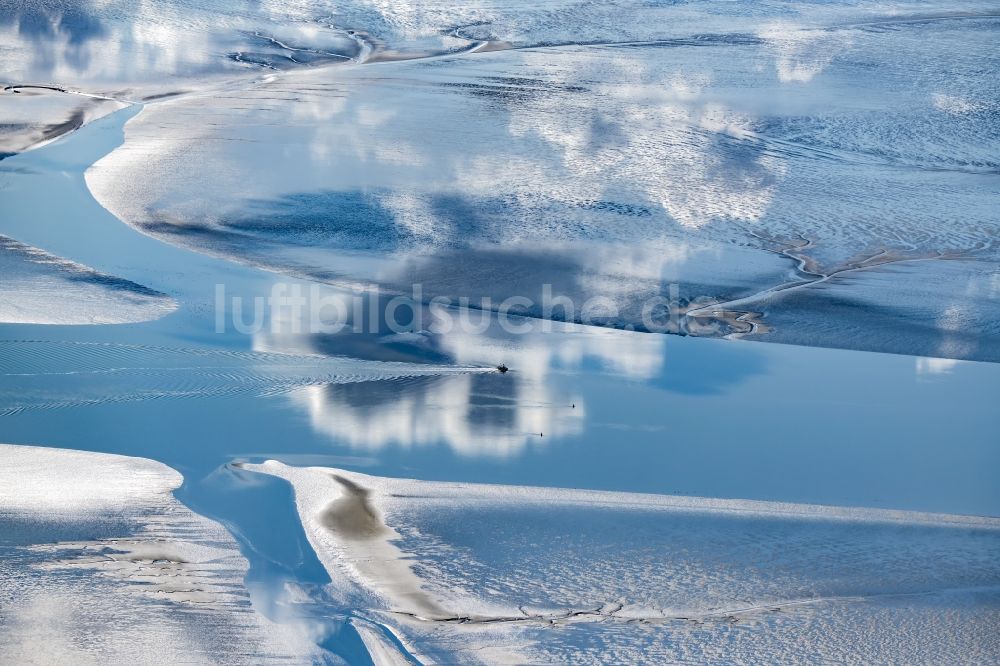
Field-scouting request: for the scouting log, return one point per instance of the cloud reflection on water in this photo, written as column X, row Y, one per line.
column 477, row 414
column 86, row 43
column 482, row 414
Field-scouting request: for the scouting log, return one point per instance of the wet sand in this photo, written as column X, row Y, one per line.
column 426, row 553
column 101, row 563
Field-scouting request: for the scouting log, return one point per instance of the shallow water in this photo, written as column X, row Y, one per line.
column 715, row 176
column 790, row 172
column 581, row 407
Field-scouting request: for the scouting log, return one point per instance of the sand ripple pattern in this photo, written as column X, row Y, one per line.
column 467, row 573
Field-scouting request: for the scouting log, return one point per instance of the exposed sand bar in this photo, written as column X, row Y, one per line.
column 41, row 288
column 517, row 574
column 100, row 564
column 35, row 115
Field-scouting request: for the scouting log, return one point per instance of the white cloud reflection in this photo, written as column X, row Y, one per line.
column 655, row 131
column 443, row 410
column 477, row 414
column 801, row 54
column 935, row 366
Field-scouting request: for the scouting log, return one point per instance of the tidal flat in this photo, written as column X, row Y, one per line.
column 261, row 265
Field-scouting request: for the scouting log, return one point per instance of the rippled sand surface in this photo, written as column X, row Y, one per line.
column 501, row 574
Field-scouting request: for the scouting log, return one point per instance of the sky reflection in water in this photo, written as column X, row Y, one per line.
column 578, row 409
column 614, row 170
column 645, row 170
